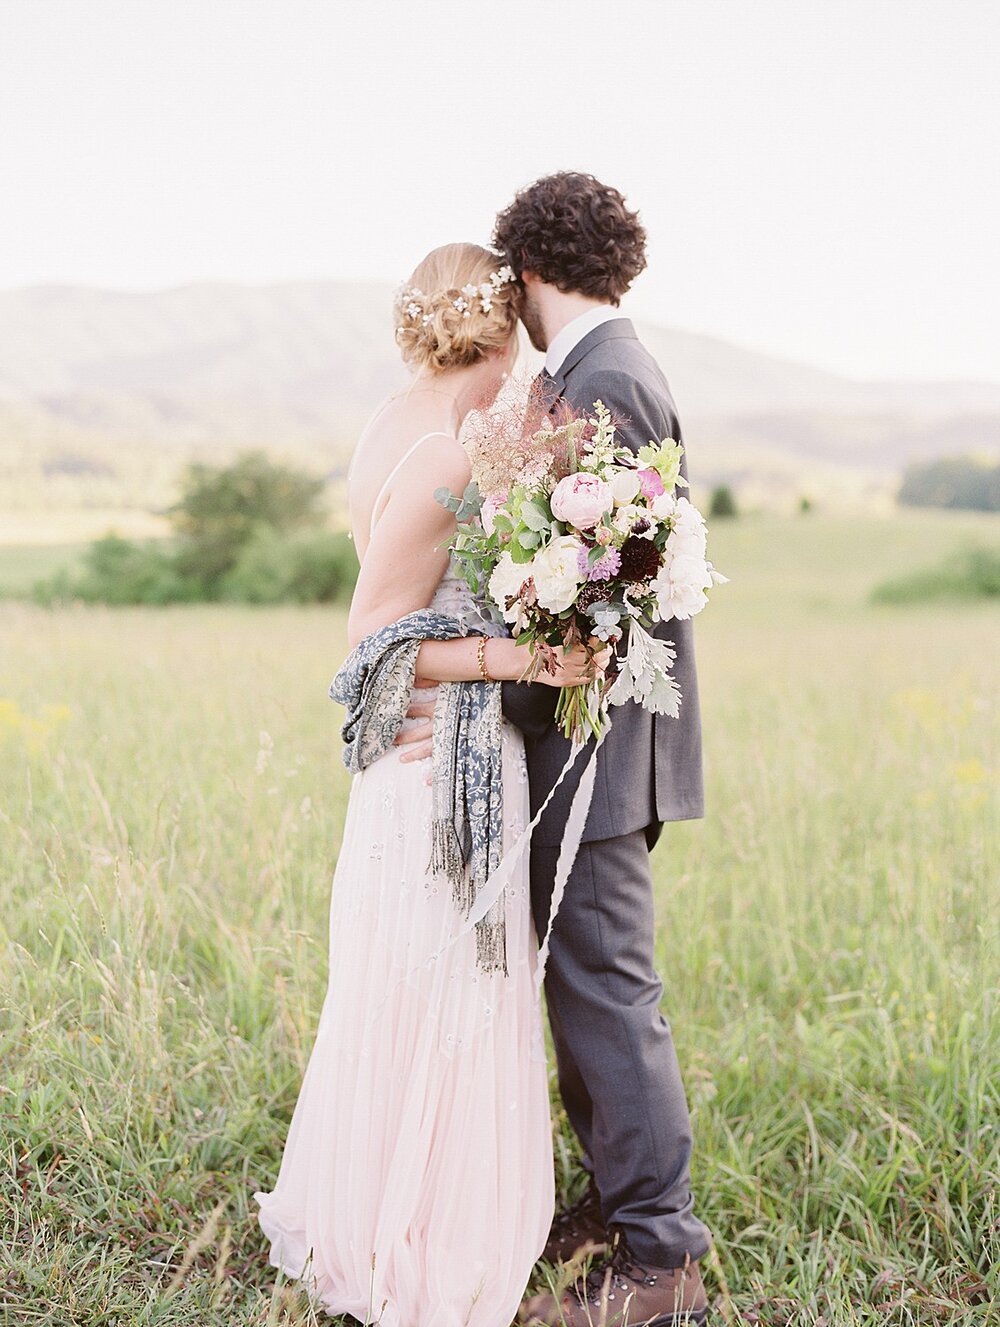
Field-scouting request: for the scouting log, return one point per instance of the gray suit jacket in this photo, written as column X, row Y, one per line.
column 649, row 768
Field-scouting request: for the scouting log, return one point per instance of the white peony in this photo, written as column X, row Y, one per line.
column 687, row 518
column 506, row 580
column 687, row 543
column 680, row 586
column 663, row 505
column 556, row 572
column 688, row 537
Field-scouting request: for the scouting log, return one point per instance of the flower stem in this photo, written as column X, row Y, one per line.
column 577, row 716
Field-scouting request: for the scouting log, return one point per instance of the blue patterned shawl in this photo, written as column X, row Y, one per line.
column 374, row 686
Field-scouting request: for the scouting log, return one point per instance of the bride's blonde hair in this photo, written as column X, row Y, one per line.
column 460, row 303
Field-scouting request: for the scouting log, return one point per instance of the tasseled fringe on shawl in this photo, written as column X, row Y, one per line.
column 491, row 930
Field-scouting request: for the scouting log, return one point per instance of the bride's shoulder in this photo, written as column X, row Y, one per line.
column 418, row 446
column 442, row 455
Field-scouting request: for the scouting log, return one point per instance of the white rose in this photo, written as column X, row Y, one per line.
column 506, row 580
column 557, row 575
column 624, row 485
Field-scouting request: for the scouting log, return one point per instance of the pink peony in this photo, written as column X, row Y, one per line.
column 581, row 500
column 489, row 509
column 651, row 483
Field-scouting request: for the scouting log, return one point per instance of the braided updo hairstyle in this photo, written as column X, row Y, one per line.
column 441, row 323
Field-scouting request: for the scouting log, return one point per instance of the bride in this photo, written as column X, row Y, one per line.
column 416, row 1185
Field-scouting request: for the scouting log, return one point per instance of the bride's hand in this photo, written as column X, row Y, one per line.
column 575, row 668
column 418, row 740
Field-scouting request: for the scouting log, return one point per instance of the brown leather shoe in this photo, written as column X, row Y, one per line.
column 578, row 1229
column 620, row 1292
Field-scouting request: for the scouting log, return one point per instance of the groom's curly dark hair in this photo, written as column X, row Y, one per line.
column 575, row 233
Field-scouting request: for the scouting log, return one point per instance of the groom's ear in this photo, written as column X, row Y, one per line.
column 529, row 279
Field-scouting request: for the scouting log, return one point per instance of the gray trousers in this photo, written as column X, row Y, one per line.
column 618, row 1072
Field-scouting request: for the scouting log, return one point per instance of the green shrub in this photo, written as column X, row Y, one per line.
column 312, row 566
column 221, row 510
column 974, row 574
column 959, row 482
column 722, row 502
column 246, row 532
column 119, row 571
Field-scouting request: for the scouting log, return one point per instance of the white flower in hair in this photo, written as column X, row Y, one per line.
column 412, row 300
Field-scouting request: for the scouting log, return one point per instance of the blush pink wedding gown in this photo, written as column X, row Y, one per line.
column 416, row 1185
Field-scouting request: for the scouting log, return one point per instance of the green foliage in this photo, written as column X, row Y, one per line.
column 220, row 510
column 119, row 571
column 311, row 566
column 974, row 574
column 958, row 482
column 722, row 502
column 805, row 505
column 246, row 532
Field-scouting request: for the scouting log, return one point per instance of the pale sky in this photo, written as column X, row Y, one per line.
column 819, row 179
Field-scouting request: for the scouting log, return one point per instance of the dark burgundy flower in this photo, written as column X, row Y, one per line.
column 597, row 592
column 640, row 560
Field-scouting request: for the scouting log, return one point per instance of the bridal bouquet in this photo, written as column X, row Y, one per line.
column 570, row 539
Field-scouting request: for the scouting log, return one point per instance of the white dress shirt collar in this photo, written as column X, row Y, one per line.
column 566, row 341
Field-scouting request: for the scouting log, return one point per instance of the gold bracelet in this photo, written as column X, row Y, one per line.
column 481, row 658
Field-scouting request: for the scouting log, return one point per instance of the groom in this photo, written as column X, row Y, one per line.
column 577, row 248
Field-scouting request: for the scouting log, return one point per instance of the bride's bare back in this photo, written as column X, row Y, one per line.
column 398, row 527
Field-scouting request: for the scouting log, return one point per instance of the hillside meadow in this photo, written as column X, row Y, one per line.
column 171, row 804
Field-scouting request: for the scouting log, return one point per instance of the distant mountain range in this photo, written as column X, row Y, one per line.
column 121, row 376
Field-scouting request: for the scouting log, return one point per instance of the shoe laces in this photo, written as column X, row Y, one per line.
column 617, row 1270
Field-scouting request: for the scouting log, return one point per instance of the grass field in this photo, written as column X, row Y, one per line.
column 171, row 803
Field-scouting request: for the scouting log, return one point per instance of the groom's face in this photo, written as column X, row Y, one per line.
column 532, row 320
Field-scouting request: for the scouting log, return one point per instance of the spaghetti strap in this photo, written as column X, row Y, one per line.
column 376, row 512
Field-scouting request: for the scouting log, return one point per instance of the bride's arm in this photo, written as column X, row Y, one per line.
column 405, row 559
